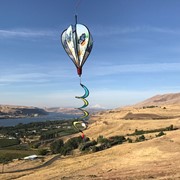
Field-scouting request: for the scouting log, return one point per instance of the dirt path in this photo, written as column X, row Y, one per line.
column 47, row 163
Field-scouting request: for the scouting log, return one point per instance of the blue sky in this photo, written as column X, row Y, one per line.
column 135, row 54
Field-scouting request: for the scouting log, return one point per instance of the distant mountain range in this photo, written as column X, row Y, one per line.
column 72, row 110
column 9, row 111
column 159, row 100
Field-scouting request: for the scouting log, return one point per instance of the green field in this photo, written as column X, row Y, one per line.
column 8, row 142
column 8, row 155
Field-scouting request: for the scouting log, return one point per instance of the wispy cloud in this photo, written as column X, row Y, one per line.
column 162, row 30
column 34, row 77
column 99, row 31
column 29, row 77
column 113, row 30
column 117, row 30
column 26, row 33
column 137, row 68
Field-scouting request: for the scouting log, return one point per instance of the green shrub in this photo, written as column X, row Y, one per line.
column 100, row 147
column 56, row 146
column 138, row 132
column 114, row 140
column 129, row 140
column 160, row 134
column 94, row 148
column 86, row 145
column 144, row 107
column 140, row 138
column 101, row 139
column 43, row 151
column 65, row 150
column 74, row 142
column 170, row 128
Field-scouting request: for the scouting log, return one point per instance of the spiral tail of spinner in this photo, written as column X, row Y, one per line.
column 81, row 124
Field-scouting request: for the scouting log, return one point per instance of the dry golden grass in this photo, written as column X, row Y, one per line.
column 158, row 158
column 112, row 123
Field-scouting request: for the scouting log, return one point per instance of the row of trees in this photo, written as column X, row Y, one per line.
column 66, row 148
column 101, row 143
column 140, row 132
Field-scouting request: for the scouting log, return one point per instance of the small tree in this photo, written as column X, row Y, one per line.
column 42, row 152
column 161, row 133
column 102, row 140
column 86, row 145
column 129, row 140
column 56, row 146
column 74, row 142
column 142, row 138
column 114, row 140
column 66, row 150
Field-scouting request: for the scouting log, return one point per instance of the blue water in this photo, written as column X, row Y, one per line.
column 49, row 117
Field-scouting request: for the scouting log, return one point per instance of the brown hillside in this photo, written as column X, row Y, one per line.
column 9, row 111
column 159, row 100
column 116, row 122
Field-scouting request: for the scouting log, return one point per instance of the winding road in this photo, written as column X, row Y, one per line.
column 47, row 163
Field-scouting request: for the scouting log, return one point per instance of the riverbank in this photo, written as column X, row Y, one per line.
column 25, row 120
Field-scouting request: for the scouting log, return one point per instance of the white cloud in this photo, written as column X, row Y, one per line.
column 96, row 31
column 31, row 73
column 117, row 30
column 114, row 30
column 28, row 77
column 26, row 33
column 136, row 68
column 161, row 30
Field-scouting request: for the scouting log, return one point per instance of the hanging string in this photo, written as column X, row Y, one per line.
column 80, row 79
column 78, row 2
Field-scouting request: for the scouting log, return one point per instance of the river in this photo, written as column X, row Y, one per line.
column 49, row 117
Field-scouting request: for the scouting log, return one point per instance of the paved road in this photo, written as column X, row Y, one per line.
column 47, row 163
